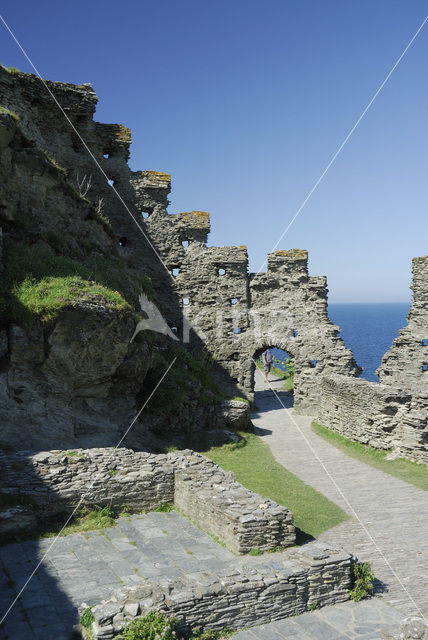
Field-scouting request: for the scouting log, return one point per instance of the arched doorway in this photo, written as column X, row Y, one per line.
column 280, row 376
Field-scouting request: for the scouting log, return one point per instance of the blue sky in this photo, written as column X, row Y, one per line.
column 244, row 103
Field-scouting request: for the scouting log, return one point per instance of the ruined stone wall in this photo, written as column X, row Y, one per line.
column 205, row 293
column 289, row 310
column 392, row 414
column 238, row 314
column 211, row 497
column 405, row 364
column 364, row 411
column 244, row 595
column 378, row 415
column 244, row 520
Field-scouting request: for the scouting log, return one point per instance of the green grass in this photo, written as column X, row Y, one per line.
column 257, row 469
column 54, row 162
column 240, row 399
column 11, row 69
column 85, row 520
column 10, row 113
column 411, row 472
column 164, row 507
column 47, row 297
column 39, row 283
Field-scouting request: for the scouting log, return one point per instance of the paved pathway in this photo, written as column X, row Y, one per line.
column 88, row 567
column 394, row 512
column 348, row 621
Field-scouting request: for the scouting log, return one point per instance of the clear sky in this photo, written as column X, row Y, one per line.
column 245, row 103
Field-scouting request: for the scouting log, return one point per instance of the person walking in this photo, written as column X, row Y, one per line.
column 267, row 363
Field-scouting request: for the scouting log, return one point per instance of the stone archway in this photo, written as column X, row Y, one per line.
column 283, row 383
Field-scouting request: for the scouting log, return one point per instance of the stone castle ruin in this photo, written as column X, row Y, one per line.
column 233, row 313
column 53, row 191
column 392, row 414
column 74, row 377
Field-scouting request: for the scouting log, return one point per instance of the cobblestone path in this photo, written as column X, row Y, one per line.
column 394, row 512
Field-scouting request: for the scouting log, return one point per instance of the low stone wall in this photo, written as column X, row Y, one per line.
column 378, row 415
column 251, row 592
column 59, row 479
column 242, row 519
column 211, row 497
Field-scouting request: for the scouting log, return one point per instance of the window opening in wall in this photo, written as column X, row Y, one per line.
column 425, row 342
column 234, row 301
column 312, row 363
column 186, row 301
column 123, row 241
column 185, row 243
column 221, row 272
column 425, row 367
column 175, row 272
column 237, row 330
column 295, row 334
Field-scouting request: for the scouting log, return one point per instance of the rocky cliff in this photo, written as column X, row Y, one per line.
column 69, row 373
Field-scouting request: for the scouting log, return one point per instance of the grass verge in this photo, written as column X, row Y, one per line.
column 411, row 472
column 257, row 469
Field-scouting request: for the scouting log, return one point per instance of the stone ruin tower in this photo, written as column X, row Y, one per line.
column 238, row 314
column 232, row 314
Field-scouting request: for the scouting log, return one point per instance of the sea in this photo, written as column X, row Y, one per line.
column 368, row 328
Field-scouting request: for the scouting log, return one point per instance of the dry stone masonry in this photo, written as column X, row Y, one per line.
column 405, row 365
column 205, row 293
column 245, row 594
column 392, row 414
column 57, row 480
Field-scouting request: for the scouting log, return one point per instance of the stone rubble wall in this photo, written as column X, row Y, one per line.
column 378, row 415
column 265, row 307
column 250, row 592
column 392, row 414
column 403, row 364
column 56, row 480
column 211, row 497
column 242, row 519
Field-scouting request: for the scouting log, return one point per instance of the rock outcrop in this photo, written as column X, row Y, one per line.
column 69, row 370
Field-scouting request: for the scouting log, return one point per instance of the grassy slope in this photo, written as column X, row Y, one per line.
column 411, row 472
column 257, row 469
